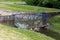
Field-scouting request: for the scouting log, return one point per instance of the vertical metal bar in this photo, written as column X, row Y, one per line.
column 13, row 19
column 44, row 18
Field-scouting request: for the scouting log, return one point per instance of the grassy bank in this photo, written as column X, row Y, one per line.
column 11, row 33
column 55, row 22
column 28, row 8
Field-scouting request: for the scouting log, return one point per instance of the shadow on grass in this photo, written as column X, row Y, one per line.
column 52, row 34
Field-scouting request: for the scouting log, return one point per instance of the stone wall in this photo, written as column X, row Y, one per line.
column 51, row 14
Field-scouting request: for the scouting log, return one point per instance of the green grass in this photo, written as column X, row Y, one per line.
column 55, row 22
column 10, row 0
column 28, row 8
column 55, row 27
column 11, row 32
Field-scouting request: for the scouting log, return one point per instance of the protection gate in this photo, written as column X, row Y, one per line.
column 29, row 20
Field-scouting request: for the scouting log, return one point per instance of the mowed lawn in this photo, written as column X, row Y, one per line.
column 27, row 8
column 12, row 33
